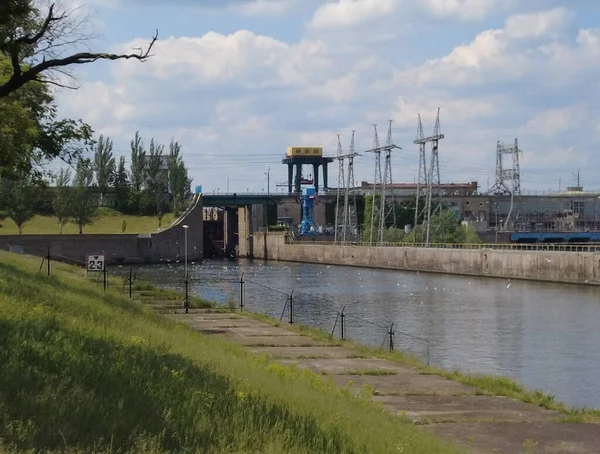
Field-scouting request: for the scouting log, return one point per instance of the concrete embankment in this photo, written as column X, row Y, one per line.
column 479, row 423
column 167, row 244
column 552, row 266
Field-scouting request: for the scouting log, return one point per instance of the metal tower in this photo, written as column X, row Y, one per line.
column 433, row 176
column 422, row 178
column 341, row 186
column 503, row 175
column 350, row 208
column 377, row 185
column 388, row 204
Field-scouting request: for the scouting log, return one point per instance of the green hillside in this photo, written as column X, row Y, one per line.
column 86, row 372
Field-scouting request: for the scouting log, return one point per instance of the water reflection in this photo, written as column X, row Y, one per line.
column 543, row 335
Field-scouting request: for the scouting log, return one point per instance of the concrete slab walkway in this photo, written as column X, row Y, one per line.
column 479, row 424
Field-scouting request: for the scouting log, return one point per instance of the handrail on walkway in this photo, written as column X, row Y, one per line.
column 572, row 247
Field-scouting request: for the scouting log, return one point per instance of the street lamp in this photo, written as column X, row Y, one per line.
column 186, row 303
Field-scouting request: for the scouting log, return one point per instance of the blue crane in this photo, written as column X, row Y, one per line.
column 308, row 226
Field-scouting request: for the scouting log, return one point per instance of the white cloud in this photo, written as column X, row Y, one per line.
column 556, row 121
column 538, row 24
column 348, row 13
column 463, row 9
column 499, row 54
column 265, row 7
column 236, row 100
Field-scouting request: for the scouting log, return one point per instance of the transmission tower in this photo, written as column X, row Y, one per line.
column 422, row 179
column 350, row 209
column 377, row 185
column 503, row 175
column 433, row 176
column 339, row 207
column 388, row 204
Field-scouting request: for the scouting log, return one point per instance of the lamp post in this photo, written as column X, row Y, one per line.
column 268, row 175
column 186, row 303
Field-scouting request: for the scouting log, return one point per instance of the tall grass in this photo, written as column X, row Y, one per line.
column 81, row 371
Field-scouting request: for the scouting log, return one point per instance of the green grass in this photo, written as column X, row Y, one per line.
column 83, row 371
column 485, row 385
column 108, row 221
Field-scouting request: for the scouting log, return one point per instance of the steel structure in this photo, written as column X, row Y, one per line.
column 341, row 186
column 384, row 208
column 432, row 176
column 377, row 184
column 422, row 178
column 388, row 203
column 503, row 175
column 350, row 208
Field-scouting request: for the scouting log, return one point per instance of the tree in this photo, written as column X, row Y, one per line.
column 36, row 42
column 156, row 178
column 179, row 182
column 62, row 202
column 122, row 184
column 138, row 163
column 104, row 165
column 443, row 227
column 19, row 199
column 31, row 134
column 83, row 199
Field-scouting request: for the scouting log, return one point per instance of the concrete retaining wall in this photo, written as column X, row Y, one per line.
column 165, row 245
column 567, row 267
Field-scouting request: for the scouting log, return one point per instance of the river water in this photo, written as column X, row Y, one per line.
column 545, row 336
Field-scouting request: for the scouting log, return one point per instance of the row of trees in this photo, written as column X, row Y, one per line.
column 154, row 183
column 74, row 200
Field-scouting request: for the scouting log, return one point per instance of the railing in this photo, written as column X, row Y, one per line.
column 573, row 247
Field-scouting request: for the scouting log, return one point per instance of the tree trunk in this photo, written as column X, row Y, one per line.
column 80, row 229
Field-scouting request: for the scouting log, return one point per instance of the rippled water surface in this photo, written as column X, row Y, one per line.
column 545, row 336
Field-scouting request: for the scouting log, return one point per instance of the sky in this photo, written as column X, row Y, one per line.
column 238, row 81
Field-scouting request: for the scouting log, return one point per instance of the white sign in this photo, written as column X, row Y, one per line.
column 95, row 262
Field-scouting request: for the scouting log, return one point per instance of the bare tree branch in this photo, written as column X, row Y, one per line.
column 55, row 31
column 53, row 82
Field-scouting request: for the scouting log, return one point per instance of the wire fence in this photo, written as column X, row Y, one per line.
column 338, row 327
column 267, row 299
column 101, row 273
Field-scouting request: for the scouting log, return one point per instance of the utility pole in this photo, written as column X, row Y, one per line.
column 434, row 172
column 268, row 174
column 340, row 197
column 377, row 185
column 387, row 190
column 350, row 210
column 503, row 175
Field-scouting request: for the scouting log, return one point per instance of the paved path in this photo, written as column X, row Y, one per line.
column 480, row 424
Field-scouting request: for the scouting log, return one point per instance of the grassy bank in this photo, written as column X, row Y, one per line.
column 106, row 221
column 87, row 372
column 486, row 385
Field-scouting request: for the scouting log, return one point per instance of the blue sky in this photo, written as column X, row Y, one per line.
column 236, row 82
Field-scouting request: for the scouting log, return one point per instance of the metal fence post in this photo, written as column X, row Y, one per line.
column 391, row 334
column 186, row 303
column 104, row 275
column 242, row 292
column 130, row 282
column 292, row 308
column 343, row 323
column 48, row 259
